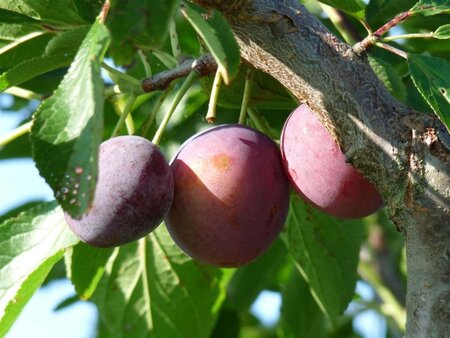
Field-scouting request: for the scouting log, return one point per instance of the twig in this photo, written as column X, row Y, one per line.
column 203, row 66
column 394, row 50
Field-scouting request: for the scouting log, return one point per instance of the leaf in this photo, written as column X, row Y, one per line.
column 59, row 52
column 431, row 7
column 301, row 317
column 85, row 267
column 251, row 279
column 443, row 32
column 218, row 37
column 12, row 32
column 431, row 76
column 30, row 245
column 67, row 127
column 389, row 76
column 326, row 251
column 12, row 17
column 152, row 289
column 139, row 24
column 27, row 48
column 352, row 7
column 62, row 12
column 378, row 12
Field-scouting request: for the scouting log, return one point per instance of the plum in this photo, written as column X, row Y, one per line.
column 317, row 169
column 133, row 193
column 231, row 195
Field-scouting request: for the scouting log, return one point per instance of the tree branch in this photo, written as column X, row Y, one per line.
column 391, row 144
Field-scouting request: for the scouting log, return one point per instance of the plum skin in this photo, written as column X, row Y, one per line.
column 231, row 195
column 133, row 194
column 317, row 169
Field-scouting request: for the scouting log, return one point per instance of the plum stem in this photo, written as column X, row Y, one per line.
column 181, row 92
column 24, row 93
column 246, row 96
column 125, row 112
column 211, row 114
column 13, row 134
column 409, row 36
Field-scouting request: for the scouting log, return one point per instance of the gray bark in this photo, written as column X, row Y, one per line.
column 403, row 152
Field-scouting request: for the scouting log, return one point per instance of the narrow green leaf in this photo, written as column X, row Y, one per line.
column 59, row 52
column 326, row 251
column 152, row 289
column 301, row 317
column 352, row 7
column 13, row 17
column 28, row 47
column 139, row 24
column 218, row 37
column 389, row 76
column 378, row 12
column 431, row 76
column 57, row 12
column 30, row 245
column 67, row 128
column 85, row 267
column 443, row 32
column 431, row 7
column 12, row 32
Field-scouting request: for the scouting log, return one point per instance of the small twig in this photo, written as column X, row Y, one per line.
column 211, row 114
column 104, row 12
column 246, row 96
column 370, row 40
column 394, row 50
column 205, row 65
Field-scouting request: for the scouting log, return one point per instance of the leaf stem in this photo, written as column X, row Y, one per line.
column 20, row 40
column 143, row 259
column 175, row 44
column 13, row 134
column 181, row 92
column 24, row 93
column 104, row 12
column 408, row 36
column 122, row 76
column 246, row 96
column 126, row 110
column 148, row 70
column 392, row 49
column 211, row 114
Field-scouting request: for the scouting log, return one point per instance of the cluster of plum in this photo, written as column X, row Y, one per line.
column 225, row 195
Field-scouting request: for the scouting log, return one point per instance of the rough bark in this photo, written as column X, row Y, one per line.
column 404, row 152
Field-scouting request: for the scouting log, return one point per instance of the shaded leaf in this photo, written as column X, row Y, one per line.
column 138, row 24
column 431, row 76
column 85, row 267
column 30, row 245
column 67, row 127
column 218, row 37
column 301, row 317
column 389, row 76
column 326, row 251
column 352, row 7
column 152, row 289
column 431, row 7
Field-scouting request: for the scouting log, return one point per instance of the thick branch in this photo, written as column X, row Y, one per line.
column 387, row 141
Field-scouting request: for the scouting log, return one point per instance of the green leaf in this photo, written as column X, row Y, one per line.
column 152, row 289
column 326, row 251
column 443, row 32
column 218, row 37
column 431, row 7
column 251, row 279
column 30, row 245
column 139, row 24
column 62, row 12
column 85, row 267
column 12, row 17
column 378, row 12
column 389, row 76
column 67, row 127
column 12, row 32
column 352, row 7
column 431, row 76
column 301, row 317
column 28, row 47
column 59, row 52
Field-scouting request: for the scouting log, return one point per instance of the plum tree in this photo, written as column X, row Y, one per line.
column 317, row 169
column 133, row 194
column 231, row 195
